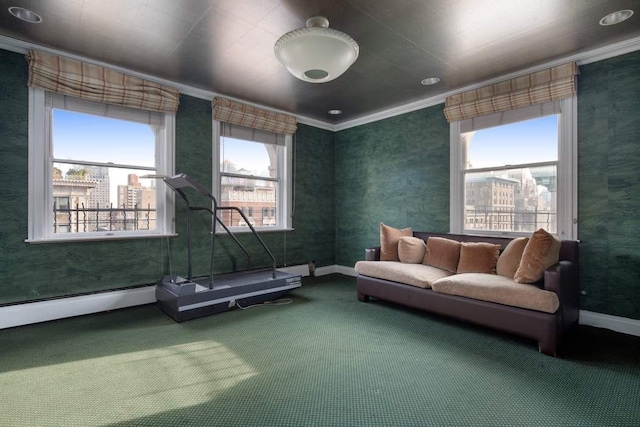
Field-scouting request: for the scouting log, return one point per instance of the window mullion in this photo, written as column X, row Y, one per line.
column 107, row 165
column 510, row 167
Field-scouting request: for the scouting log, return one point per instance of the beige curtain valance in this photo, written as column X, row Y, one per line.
column 547, row 85
column 87, row 81
column 237, row 113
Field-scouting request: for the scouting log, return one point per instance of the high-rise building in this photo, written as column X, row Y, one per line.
column 100, row 195
column 137, row 205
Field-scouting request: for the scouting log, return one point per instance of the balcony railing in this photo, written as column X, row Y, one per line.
column 513, row 220
column 84, row 220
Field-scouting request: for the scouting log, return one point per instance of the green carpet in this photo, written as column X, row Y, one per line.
column 324, row 360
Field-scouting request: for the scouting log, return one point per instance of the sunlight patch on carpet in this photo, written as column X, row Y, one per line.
column 136, row 384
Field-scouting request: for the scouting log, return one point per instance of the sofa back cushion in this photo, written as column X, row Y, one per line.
column 541, row 252
column 509, row 260
column 442, row 253
column 411, row 250
column 478, row 257
column 389, row 238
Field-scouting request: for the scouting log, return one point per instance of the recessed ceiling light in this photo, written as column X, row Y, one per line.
column 616, row 17
column 430, row 81
column 25, row 15
column 335, row 112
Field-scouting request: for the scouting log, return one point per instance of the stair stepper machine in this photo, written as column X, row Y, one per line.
column 189, row 298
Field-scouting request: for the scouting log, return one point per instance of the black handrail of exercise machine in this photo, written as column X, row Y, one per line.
column 182, row 180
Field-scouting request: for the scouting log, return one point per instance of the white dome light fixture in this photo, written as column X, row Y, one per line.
column 317, row 53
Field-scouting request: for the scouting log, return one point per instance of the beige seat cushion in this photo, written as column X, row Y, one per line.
column 389, row 238
column 411, row 250
column 542, row 251
column 509, row 260
column 499, row 289
column 419, row 275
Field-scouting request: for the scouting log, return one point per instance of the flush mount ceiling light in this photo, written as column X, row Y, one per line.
column 25, row 15
column 430, row 81
column 334, row 112
column 317, row 53
column 616, row 17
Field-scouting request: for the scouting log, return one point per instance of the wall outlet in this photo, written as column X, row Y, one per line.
column 232, row 303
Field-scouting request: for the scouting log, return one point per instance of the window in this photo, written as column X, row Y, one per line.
column 253, row 170
column 515, row 171
column 88, row 163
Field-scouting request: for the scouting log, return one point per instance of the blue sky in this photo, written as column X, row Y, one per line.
column 248, row 155
column 99, row 139
column 530, row 141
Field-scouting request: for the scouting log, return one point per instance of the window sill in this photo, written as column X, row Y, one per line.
column 94, row 238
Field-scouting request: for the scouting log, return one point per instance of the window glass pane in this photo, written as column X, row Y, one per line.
column 529, row 141
column 518, row 200
column 85, row 137
column 257, row 199
column 248, row 157
column 95, row 198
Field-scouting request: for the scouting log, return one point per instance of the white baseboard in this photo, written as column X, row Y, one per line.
column 347, row 271
column 332, row 269
column 35, row 312
column 614, row 323
column 302, row 269
column 42, row 311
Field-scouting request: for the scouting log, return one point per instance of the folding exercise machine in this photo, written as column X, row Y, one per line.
column 189, row 298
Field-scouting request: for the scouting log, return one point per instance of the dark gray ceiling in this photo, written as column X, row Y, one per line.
column 226, row 46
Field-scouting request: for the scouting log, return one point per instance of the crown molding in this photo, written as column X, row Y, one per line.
column 583, row 58
column 20, row 46
column 594, row 55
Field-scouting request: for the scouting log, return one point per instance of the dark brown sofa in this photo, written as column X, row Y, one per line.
column 546, row 328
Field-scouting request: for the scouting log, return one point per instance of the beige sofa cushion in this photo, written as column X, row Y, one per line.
column 411, row 250
column 509, row 260
column 499, row 289
column 419, row 275
column 478, row 257
column 389, row 237
column 542, row 251
column 442, row 253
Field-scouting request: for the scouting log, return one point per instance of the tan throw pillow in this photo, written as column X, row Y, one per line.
column 478, row 257
column 442, row 253
column 389, row 237
column 542, row 251
column 411, row 250
column 509, row 260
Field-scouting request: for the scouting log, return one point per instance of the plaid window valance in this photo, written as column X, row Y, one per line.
column 547, row 85
column 237, row 113
column 87, row 81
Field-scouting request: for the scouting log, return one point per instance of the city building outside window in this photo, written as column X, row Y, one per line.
column 253, row 173
column 513, row 173
column 89, row 168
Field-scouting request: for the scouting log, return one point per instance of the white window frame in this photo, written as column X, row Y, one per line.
column 40, row 221
column 567, row 189
column 284, row 203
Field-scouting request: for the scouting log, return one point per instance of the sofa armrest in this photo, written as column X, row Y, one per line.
column 372, row 254
column 562, row 278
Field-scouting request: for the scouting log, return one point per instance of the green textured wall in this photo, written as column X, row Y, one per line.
column 609, row 185
column 395, row 171
column 30, row 272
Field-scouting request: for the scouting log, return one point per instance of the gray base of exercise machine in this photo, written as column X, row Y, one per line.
column 186, row 300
